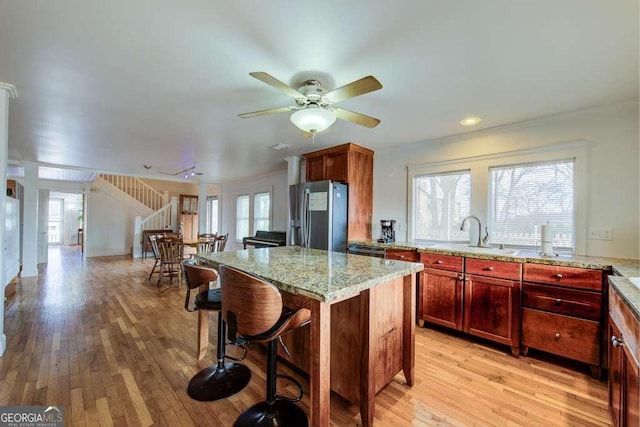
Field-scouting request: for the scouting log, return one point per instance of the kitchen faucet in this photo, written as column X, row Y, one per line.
column 481, row 240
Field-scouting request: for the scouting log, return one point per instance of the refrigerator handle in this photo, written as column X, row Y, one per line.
column 305, row 220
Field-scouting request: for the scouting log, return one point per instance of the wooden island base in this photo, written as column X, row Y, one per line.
column 372, row 340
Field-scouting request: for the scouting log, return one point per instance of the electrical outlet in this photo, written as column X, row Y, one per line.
column 600, row 233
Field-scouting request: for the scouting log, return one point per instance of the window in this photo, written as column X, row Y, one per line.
column 56, row 217
column 242, row 216
column 521, row 197
column 253, row 213
column 261, row 211
column 441, row 203
column 212, row 215
column 512, row 193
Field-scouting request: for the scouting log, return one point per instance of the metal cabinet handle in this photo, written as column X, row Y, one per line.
column 558, row 301
column 401, row 256
column 557, row 335
column 558, row 276
column 617, row 342
column 490, row 268
column 438, row 262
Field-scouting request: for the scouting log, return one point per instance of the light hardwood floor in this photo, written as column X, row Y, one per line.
column 96, row 337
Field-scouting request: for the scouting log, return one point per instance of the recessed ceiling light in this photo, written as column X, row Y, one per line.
column 470, row 121
column 279, row 146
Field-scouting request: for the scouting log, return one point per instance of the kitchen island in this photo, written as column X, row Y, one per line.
column 362, row 318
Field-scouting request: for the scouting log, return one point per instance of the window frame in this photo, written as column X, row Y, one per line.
column 251, row 194
column 480, row 165
column 248, row 219
column 208, row 213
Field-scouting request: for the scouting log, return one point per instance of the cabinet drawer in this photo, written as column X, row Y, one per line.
column 563, row 300
column 442, row 262
column 403, row 255
column 566, row 336
column 492, row 268
column 581, row 278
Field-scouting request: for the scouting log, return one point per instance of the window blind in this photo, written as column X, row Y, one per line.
column 522, row 197
column 442, row 201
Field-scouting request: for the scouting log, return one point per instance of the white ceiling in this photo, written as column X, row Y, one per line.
column 113, row 85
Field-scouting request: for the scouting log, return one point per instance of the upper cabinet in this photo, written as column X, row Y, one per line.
column 351, row 164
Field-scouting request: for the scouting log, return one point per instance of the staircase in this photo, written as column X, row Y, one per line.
column 165, row 211
column 139, row 190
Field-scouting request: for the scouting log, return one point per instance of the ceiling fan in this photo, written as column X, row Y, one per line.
column 314, row 110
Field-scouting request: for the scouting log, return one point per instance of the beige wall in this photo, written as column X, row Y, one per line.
column 613, row 187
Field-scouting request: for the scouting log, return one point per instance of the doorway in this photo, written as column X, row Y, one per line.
column 65, row 219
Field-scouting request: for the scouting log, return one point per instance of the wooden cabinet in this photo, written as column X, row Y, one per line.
column 624, row 372
column 353, row 165
column 492, row 301
column 481, row 299
column 440, row 291
column 188, row 213
column 403, row 255
column 562, row 311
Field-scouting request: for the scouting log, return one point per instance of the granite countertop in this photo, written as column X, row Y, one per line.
column 321, row 275
column 623, row 269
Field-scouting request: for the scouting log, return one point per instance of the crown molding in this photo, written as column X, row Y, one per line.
column 11, row 89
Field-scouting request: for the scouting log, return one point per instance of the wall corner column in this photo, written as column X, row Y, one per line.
column 6, row 91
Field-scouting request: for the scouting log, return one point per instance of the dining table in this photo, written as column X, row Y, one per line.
column 380, row 293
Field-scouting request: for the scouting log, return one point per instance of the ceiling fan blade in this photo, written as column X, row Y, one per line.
column 359, row 87
column 269, row 111
column 272, row 81
column 357, row 118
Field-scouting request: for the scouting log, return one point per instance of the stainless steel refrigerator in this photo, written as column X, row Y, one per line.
column 319, row 215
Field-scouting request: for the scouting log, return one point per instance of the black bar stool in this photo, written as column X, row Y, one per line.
column 253, row 309
column 222, row 379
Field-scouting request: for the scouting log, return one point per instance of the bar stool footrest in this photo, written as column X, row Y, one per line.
column 295, row 383
column 240, row 358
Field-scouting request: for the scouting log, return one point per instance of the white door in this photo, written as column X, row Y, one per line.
column 43, row 226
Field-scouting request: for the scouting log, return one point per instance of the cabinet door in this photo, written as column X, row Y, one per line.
column 492, row 310
column 316, row 169
column 631, row 403
column 337, row 167
column 441, row 298
column 403, row 255
column 615, row 373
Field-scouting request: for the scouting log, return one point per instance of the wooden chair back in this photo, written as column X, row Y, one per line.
column 207, row 236
column 251, row 304
column 206, row 246
column 221, row 242
column 198, row 275
column 153, row 239
column 171, row 249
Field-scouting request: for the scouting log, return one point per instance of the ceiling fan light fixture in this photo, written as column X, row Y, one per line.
column 313, row 119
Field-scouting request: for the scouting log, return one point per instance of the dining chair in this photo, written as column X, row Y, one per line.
column 221, row 242
column 171, row 251
column 207, row 236
column 156, row 253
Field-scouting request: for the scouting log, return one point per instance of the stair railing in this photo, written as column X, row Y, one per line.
column 165, row 218
column 139, row 190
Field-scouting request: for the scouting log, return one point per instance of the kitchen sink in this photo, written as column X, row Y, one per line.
column 489, row 250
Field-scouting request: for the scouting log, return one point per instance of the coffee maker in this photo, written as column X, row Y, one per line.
column 387, row 231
